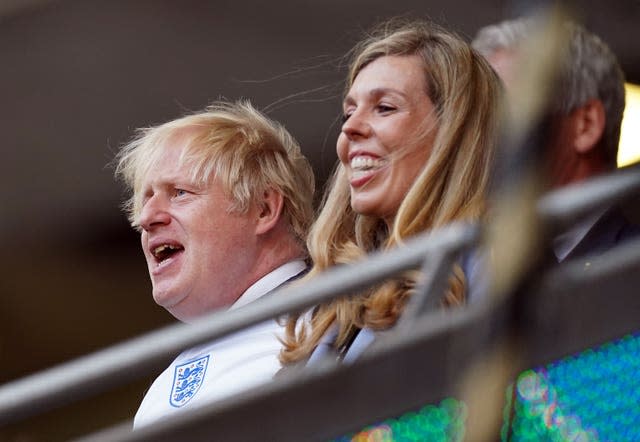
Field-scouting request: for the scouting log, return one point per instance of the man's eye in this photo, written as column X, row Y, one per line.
column 345, row 116
column 180, row 192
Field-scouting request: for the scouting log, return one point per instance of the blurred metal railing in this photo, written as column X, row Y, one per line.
column 569, row 310
column 116, row 365
column 132, row 359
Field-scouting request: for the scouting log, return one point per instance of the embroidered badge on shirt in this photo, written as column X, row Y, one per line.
column 187, row 379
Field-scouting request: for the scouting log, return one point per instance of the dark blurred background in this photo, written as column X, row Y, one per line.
column 77, row 77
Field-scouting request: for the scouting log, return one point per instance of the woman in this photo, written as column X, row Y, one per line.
column 415, row 151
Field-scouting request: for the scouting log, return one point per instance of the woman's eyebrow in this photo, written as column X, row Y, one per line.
column 376, row 92
column 348, row 100
column 387, row 91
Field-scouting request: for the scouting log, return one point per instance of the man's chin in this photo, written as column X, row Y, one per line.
column 167, row 299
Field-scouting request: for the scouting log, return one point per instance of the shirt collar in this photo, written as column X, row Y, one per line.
column 564, row 243
column 269, row 282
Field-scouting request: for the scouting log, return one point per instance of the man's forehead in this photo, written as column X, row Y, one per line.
column 176, row 147
column 166, row 165
column 503, row 62
column 183, row 139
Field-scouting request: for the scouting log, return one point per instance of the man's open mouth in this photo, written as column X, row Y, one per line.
column 165, row 251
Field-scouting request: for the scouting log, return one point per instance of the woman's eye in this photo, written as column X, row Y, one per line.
column 345, row 116
column 385, row 108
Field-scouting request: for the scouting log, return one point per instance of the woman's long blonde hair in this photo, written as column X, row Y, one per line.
column 465, row 93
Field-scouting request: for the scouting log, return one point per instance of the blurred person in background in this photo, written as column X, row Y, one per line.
column 587, row 105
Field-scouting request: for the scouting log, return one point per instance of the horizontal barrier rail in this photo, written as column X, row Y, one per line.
column 104, row 369
column 123, row 362
column 423, row 367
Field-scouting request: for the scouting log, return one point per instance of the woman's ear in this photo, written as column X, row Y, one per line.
column 270, row 208
column 589, row 125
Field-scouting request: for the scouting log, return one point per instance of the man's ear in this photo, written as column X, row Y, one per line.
column 589, row 125
column 270, row 208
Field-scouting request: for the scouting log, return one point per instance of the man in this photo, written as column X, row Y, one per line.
column 588, row 107
column 222, row 200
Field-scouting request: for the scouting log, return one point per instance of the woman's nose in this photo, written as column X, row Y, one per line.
column 356, row 125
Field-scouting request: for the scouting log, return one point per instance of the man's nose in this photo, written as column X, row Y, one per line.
column 154, row 213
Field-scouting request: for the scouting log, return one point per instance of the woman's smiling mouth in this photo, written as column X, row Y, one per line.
column 363, row 167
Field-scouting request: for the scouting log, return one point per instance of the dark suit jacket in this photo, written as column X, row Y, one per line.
column 611, row 229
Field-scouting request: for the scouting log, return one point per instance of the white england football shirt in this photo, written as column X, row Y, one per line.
column 223, row 367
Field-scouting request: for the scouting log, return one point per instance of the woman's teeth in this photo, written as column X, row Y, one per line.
column 366, row 163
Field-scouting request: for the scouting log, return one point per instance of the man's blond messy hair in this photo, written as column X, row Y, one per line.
column 247, row 153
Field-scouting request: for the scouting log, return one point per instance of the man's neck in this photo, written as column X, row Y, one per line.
column 273, row 252
column 578, row 171
column 270, row 281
